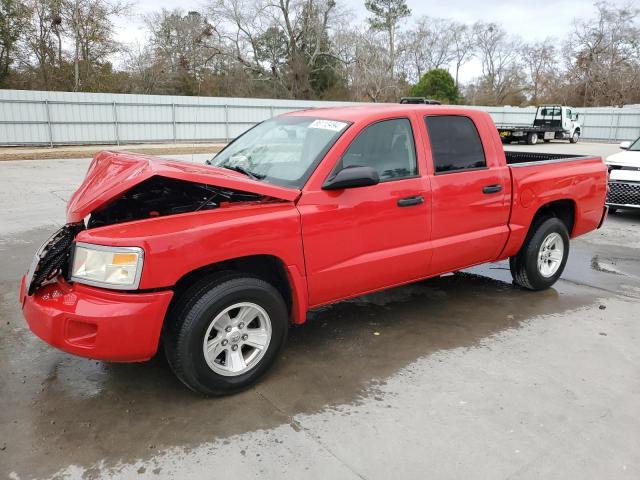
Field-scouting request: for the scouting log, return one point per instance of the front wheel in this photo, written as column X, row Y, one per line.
column 532, row 138
column 575, row 137
column 225, row 332
column 543, row 256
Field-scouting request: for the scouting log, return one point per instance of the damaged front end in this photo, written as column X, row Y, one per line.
column 162, row 196
column 152, row 198
column 122, row 187
column 53, row 258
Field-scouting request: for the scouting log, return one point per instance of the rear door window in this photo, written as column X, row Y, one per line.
column 455, row 144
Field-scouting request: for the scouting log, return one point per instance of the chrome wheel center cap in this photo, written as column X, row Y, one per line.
column 235, row 337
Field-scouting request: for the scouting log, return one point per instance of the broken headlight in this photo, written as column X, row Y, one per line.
column 109, row 267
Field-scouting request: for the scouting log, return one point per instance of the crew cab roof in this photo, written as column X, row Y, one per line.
column 357, row 113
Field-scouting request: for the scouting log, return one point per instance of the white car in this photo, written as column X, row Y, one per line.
column 624, row 177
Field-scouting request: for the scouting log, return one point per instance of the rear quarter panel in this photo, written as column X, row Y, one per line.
column 583, row 181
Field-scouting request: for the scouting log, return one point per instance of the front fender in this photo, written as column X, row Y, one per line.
column 178, row 244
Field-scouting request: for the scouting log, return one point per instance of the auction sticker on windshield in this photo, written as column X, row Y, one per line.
column 332, row 125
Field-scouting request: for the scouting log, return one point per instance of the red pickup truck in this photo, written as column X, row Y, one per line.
column 215, row 261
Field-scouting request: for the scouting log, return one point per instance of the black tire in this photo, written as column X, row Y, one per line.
column 532, row 138
column 524, row 265
column 191, row 316
column 575, row 137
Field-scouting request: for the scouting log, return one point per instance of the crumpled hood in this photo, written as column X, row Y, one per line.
column 113, row 173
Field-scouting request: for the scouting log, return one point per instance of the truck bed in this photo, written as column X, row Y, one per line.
column 527, row 158
column 529, row 128
column 541, row 178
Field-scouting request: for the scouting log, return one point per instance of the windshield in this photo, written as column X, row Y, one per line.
column 283, row 151
column 635, row 146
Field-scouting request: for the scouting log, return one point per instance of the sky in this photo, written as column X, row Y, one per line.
column 529, row 19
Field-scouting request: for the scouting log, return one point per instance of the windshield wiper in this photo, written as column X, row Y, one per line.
column 238, row 168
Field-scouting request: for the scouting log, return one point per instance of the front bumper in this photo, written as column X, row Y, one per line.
column 622, row 205
column 96, row 323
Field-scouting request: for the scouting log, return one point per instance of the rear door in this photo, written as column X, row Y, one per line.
column 471, row 192
column 361, row 239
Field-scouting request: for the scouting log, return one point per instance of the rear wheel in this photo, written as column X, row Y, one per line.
column 225, row 332
column 532, row 138
column 543, row 256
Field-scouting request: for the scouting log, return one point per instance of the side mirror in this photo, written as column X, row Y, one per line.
column 625, row 145
column 352, row 177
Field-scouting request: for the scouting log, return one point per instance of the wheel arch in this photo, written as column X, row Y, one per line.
column 268, row 267
column 563, row 209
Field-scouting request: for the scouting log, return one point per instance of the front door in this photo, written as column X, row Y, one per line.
column 362, row 239
column 567, row 122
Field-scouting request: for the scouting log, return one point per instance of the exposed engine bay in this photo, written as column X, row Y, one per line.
column 161, row 196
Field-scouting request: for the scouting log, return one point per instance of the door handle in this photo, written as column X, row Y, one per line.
column 492, row 188
column 409, row 201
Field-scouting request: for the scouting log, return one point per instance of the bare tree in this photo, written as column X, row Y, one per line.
column 540, row 61
column 462, row 48
column 386, row 16
column 305, row 25
column 372, row 78
column 38, row 53
column 312, row 49
column 13, row 20
column 279, row 41
column 427, row 46
column 147, row 74
column 499, row 54
column 605, row 55
column 184, row 49
column 90, row 30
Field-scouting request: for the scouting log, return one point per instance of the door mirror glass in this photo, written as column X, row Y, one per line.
column 352, row 177
column 625, row 145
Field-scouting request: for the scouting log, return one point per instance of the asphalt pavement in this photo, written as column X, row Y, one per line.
column 462, row 376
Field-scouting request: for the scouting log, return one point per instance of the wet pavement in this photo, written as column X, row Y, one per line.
column 463, row 376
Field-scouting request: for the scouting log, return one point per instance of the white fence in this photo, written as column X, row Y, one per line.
column 66, row 118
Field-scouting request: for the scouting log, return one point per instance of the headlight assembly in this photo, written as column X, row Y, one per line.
column 109, row 267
